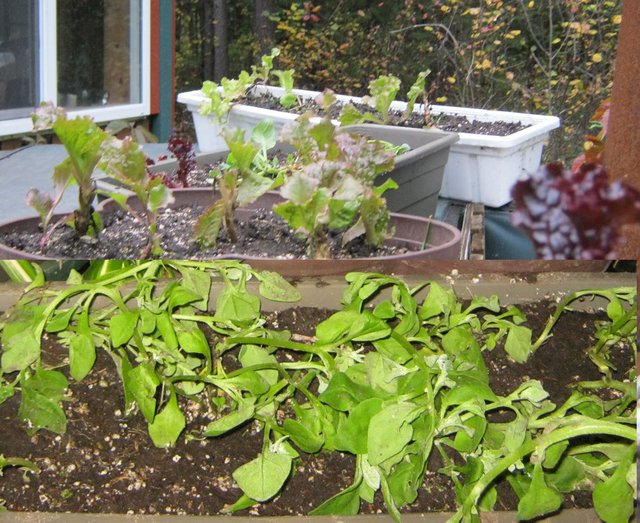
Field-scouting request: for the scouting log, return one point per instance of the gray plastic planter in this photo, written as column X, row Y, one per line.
column 418, row 172
column 527, row 286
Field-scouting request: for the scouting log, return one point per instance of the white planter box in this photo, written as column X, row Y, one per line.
column 480, row 169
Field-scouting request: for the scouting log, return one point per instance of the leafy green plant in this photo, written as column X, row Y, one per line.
column 333, row 188
column 219, row 98
column 241, row 180
column 124, row 161
column 392, row 377
column 82, row 139
column 383, row 92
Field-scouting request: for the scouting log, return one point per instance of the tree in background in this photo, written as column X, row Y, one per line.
column 543, row 56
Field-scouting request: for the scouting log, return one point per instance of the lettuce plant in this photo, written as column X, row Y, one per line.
column 124, row 161
column 219, row 98
column 82, row 139
column 333, row 189
column 382, row 93
column 240, row 181
column 574, row 215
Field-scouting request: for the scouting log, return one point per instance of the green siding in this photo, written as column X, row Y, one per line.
column 162, row 123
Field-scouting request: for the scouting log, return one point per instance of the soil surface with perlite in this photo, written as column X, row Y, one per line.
column 124, row 236
column 107, row 463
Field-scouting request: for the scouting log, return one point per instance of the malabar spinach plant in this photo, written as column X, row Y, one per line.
column 392, row 377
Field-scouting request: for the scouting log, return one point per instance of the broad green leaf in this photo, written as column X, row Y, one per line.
column 568, row 474
column 243, row 413
column 345, row 503
column 518, row 343
column 352, row 434
column 251, row 188
column 180, row 295
column 540, row 499
column 458, row 339
column 438, row 301
column 305, row 438
column 299, row 188
column 168, row 424
column 467, row 443
column 40, row 406
column 275, row 288
column 82, row 139
column 253, row 355
column 122, row 327
column 344, row 394
column 20, row 349
column 553, row 454
column 142, row 382
column 613, row 498
column 262, row 478
column 60, row 320
column 159, row 196
column 164, row 323
column 194, row 342
column 82, row 355
column 390, row 432
column 392, row 349
column 265, row 134
column 237, row 306
column 6, row 391
column 383, row 373
column 199, row 283
column 209, row 224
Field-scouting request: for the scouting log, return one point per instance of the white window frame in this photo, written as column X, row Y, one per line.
column 48, row 77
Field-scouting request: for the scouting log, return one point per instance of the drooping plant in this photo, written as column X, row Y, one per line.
column 392, row 377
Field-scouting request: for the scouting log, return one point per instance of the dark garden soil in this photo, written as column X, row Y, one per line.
column 264, row 234
column 107, row 463
column 445, row 122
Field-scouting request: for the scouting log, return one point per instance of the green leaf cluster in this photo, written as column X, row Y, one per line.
column 394, row 376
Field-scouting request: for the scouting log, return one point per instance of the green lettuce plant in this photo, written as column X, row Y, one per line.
column 382, row 93
column 333, row 187
column 246, row 175
column 219, row 98
column 82, row 139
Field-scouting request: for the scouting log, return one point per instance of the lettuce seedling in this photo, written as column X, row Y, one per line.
column 82, row 139
column 333, row 188
column 383, row 91
column 238, row 182
column 574, row 215
column 125, row 162
column 182, row 149
column 220, row 97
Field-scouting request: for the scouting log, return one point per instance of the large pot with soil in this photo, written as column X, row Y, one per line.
column 224, row 389
column 123, row 236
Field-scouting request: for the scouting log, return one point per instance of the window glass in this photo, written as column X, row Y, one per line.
column 98, row 52
column 18, row 57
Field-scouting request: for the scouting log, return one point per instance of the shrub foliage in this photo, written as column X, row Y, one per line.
column 544, row 56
